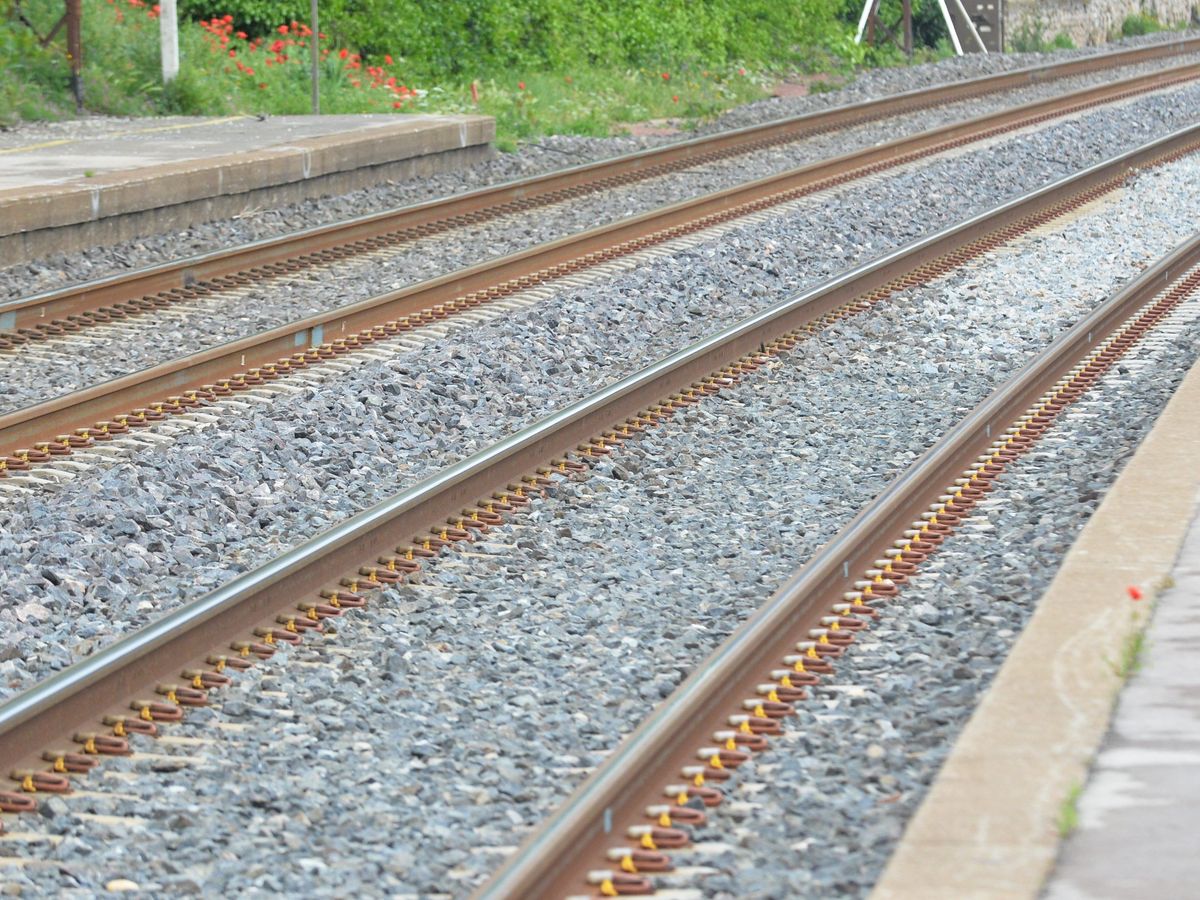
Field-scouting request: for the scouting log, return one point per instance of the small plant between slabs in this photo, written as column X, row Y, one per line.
column 1133, row 645
column 1068, row 811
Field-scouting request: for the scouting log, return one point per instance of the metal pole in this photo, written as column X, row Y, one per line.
column 862, row 20
column 873, row 21
column 314, row 44
column 971, row 26
column 168, row 36
column 950, row 27
column 75, row 49
column 908, row 34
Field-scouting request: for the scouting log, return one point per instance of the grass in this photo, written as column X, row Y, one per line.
column 1140, row 23
column 1134, row 644
column 1068, row 811
column 1030, row 37
column 1132, row 654
column 225, row 72
column 593, row 101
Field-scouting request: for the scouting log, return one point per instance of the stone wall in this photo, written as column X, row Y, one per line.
column 1089, row 21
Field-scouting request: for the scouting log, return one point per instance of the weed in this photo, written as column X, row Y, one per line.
column 1030, row 37
column 1133, row 648
column 824, row 87
column 1068, row 811
column 1134, row 644
column 89, row 173
column 1140, row 23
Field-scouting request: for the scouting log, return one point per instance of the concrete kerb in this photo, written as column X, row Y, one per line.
column 290, row 170
column 988, row 826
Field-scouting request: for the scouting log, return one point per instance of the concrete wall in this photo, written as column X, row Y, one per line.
column 1090, row 21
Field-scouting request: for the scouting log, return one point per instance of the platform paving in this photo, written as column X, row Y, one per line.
column 162, row 174
column 1139, row 814
column 989, row 826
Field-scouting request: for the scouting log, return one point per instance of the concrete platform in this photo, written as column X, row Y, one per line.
column 1140, row 811
column 163, row 174
column 988, row 828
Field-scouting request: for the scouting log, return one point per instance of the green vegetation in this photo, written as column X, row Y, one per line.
column 1030, row 37
column 1140, row 23
column 1132, row 653
column 538, row 66
column 473, row 38
column 1068, row 811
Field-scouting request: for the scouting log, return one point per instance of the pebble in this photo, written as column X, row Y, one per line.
column 527, row 664
column 981, row 579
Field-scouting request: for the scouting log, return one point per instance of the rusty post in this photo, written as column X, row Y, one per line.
column 908, row 28
column 872, row 18
column 75, row 49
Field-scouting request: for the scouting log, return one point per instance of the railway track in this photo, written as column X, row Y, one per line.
column 259, row 610
column 663, row 782
column 51, row 313
column 44, row 433
column 79, row 306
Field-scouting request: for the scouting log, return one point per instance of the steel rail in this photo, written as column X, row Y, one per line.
column 555, row 860
column 38, row 717
column 43, row 421
column 87, row 296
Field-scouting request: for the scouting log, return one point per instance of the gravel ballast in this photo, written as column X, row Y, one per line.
column 259, row 483
column 993, row 173
column 858, row 764
column 454, row 713
column 543, row 156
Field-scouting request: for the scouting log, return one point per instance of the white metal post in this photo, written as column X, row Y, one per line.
column 950, row 27
column 971, row 26
column 168, row 34
column 862, row 20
